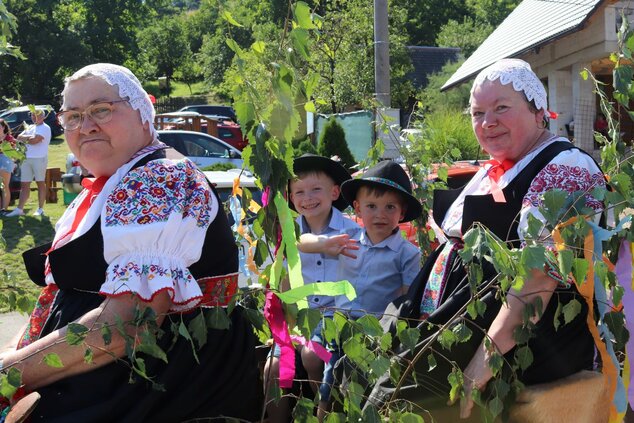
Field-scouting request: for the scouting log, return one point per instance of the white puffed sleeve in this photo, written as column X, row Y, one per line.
column 154, row 224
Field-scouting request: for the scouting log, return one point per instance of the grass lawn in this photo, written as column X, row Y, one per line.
column 24, row 232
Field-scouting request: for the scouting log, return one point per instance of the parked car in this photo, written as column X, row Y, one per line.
column 202, row 149
column 228, row 131
column 211, row 110
column 17, row 116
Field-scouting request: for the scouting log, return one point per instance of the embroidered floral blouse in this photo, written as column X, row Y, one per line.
column 154, row 219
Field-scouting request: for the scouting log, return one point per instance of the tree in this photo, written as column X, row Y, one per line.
column 165, row 46
column 466, row 35
column 332, row 142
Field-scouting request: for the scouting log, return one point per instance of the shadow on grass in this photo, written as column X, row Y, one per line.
column 14, row 229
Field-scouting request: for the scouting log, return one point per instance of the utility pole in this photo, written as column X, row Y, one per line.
column 381, row 54
column 384, row 113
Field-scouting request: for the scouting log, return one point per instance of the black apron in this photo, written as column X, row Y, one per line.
column 556, row 353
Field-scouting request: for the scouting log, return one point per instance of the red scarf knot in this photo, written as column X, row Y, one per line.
column 498, row 169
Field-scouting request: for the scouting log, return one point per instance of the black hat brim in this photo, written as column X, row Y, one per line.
column 350, row 188
column 338, row 173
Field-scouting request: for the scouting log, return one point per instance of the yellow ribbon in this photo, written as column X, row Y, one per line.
column 587, row 292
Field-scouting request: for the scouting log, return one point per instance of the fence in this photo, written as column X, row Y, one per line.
column 172, row 104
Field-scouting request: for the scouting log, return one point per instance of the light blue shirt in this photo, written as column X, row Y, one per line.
column 321, row 267
column 378, row 274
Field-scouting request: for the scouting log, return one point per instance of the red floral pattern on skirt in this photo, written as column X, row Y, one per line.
column 39, row 315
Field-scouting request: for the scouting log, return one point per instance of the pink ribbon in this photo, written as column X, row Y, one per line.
column 319, row 350
column 279, row 329
column 624, row 273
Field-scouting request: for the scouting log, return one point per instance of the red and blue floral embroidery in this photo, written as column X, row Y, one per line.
column 157, row 190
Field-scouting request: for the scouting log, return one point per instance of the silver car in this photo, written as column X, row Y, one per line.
column 202, row 149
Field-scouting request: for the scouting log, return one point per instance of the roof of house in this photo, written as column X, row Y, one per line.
column 532, row 24
column 427, row 60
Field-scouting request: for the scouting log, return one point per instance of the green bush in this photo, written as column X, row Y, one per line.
column 332, row 142
column 218, row 166
column 445, row 135
column 304, row 146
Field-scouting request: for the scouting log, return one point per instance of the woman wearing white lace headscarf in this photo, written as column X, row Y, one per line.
column 146, row 239
column 509, row 116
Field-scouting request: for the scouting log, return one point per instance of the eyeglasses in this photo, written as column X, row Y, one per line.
column 99, row 113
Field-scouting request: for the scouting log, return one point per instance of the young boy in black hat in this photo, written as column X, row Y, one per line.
column 384, row 263
column 315, row 194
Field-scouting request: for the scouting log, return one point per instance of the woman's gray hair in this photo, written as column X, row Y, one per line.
column 129, row 86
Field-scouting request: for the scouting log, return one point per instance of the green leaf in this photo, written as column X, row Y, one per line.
column 443, row 173
column 409, row 337
column 455, row 381
column 380, row 365
column 217, row 319
column 258, row 47
column 495, row 406
column 53, row 360
column 533, row 257
column 198, row 328
column 535, row 227
column 524, row 357
column 299, row 38
column 302, row 16
column 584, row 74
column 88, row 356
column 455, row 153
column 386, row 341
column 495, row 363
column 307, row 320
column 76, row 333
column 358, row 353
column 463, row 333
column 310, row 107
column 580, row 270
column 617, row 295
column 226, row 15
column 447, row 338
column 303, row 411
column 564, row 260
column 411, row 418
column 431, row 361
column 571, row 310
column 370, row 325
column 553, row 205
column 371, row 415
column 106, row 334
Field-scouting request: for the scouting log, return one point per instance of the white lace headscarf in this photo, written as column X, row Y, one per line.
column 129, row 89
column 518, row 73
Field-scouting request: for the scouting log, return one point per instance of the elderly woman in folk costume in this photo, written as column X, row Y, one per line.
column 509, row 113
column 146, row 233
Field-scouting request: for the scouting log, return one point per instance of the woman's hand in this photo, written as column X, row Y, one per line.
column 476, row 376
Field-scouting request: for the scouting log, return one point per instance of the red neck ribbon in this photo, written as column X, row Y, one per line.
column 498, row 169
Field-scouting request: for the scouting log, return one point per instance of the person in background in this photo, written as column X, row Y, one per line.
column 315, row 194
column 145, row 253
column 37, row 137
column 6, row 165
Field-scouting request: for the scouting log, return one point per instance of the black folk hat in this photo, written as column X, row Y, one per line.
column 386, row 174
column 314, row 163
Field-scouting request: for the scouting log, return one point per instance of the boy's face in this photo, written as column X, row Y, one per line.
column 313, row 195
column 380, row 215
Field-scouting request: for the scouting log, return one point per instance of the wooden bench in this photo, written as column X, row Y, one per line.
column 51, row 179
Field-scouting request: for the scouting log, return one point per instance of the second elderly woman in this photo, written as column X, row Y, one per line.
column 508, row 110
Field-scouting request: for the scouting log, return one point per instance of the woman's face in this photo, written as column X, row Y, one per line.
column 502, row 121
column 102, row 149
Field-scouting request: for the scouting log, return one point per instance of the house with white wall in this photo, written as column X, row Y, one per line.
column 560, row 38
